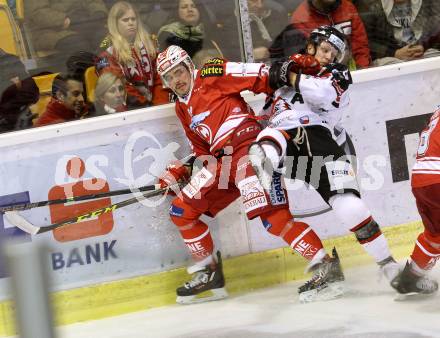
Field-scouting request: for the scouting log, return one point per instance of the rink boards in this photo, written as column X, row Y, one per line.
column 134, row 260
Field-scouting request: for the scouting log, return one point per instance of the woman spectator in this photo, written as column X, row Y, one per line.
column 129, row 50
column 188, row 29
column 110, row 94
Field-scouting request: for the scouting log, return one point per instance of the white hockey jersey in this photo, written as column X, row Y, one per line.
column 313, row 101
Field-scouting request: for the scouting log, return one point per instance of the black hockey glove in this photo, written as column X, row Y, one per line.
column 279, row 74
column 340, row 74
column 296, row 63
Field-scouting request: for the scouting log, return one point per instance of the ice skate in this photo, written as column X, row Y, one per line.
column 409, row 283
column 389, row 268
column 207, row 284
column 326, row 283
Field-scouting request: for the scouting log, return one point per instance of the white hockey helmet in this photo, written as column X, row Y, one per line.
column 333, row 36
column 172, row 57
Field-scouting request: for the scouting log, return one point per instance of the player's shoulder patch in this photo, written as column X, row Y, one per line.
column 211, row 70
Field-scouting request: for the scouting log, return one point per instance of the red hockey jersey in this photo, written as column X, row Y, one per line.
column 426, row 170
column 214, row 107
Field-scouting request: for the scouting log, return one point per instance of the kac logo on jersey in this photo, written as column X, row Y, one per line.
column 204, row 132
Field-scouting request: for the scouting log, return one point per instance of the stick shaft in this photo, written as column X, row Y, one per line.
column 100, row 211
column 27, row 206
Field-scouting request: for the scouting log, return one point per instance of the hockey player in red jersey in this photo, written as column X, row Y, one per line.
column 220, row 127
column 300, row 137
column 425, row 183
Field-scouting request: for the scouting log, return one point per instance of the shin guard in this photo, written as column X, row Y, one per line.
column 356, row 217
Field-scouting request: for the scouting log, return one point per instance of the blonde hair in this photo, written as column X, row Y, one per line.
column 105, row 81
column 120, row 44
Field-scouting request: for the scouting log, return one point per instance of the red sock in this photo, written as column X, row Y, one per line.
column 301, row 237
column 198, row 240
column 424, row 254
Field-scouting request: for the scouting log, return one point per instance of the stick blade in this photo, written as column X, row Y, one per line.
column 14, row 218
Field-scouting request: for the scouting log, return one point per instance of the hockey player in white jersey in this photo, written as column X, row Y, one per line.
column 300, row 139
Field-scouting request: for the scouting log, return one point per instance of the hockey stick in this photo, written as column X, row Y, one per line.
column 311, row 212
column 27, row 206
column 15, row 219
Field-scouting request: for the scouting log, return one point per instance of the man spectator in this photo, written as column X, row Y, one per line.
column 17, row 92
column 65, row 26
column 311, row 14
column 267, row 19
column 401, row 30
column 67, row 101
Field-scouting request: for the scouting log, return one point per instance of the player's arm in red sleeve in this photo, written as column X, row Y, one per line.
column 234, row 77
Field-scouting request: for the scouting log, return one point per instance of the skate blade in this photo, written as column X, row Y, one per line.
column 331, row 291
column 207, row 296
column 412, row 296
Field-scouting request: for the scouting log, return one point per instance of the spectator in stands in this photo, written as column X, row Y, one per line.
column 65, row 26
column 67, row 102
column 130, row 51
column 153, row 13
column 267, row 19
column 401, row 30
column 289, row 5
column 311, row 14
column 110, row 94
column 204, row 56
column 190, row 29
column 17, row 92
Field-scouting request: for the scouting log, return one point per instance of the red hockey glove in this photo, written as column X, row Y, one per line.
column 176, row 172
column 306, row 64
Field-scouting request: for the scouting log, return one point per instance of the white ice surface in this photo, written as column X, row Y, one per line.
column 369, row 309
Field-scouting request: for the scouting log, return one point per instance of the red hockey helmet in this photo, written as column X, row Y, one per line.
column 172, row 57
